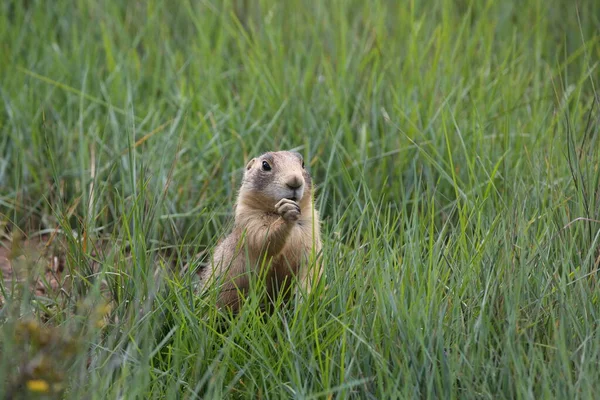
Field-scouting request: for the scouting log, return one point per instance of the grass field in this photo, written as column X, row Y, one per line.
column 456, row 149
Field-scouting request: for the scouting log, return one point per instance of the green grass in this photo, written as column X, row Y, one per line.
column 456, row 148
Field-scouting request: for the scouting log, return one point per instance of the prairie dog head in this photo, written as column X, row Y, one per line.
column 274, row 176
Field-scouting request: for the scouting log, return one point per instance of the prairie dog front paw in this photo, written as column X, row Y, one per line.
column 288, row 209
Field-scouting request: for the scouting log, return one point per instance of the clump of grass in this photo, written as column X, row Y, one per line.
column 455, row 149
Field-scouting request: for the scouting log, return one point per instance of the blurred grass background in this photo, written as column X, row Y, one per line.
column 455, row 145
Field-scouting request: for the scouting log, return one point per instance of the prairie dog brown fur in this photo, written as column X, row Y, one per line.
column 276, row 227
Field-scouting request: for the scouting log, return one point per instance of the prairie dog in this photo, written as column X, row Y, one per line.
column 276, row 227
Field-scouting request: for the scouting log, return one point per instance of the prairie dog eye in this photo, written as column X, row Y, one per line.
column 302, row 164
column 266, row 166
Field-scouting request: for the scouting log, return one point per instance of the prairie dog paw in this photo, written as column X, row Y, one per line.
column 288, row 209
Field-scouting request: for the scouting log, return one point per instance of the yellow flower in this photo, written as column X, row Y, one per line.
column 38, row 385
column 105, row 309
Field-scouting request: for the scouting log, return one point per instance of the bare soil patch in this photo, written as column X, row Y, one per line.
column 38, row 262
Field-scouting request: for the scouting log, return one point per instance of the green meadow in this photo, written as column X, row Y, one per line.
column 455, row 148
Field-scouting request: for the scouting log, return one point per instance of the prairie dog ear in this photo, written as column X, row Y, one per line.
column 250, row 163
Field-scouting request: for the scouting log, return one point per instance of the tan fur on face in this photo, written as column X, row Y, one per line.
column 270, row 232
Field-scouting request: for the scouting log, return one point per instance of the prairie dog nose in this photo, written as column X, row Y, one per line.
column 294, row 182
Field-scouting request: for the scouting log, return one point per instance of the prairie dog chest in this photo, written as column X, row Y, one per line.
column 298, row 242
